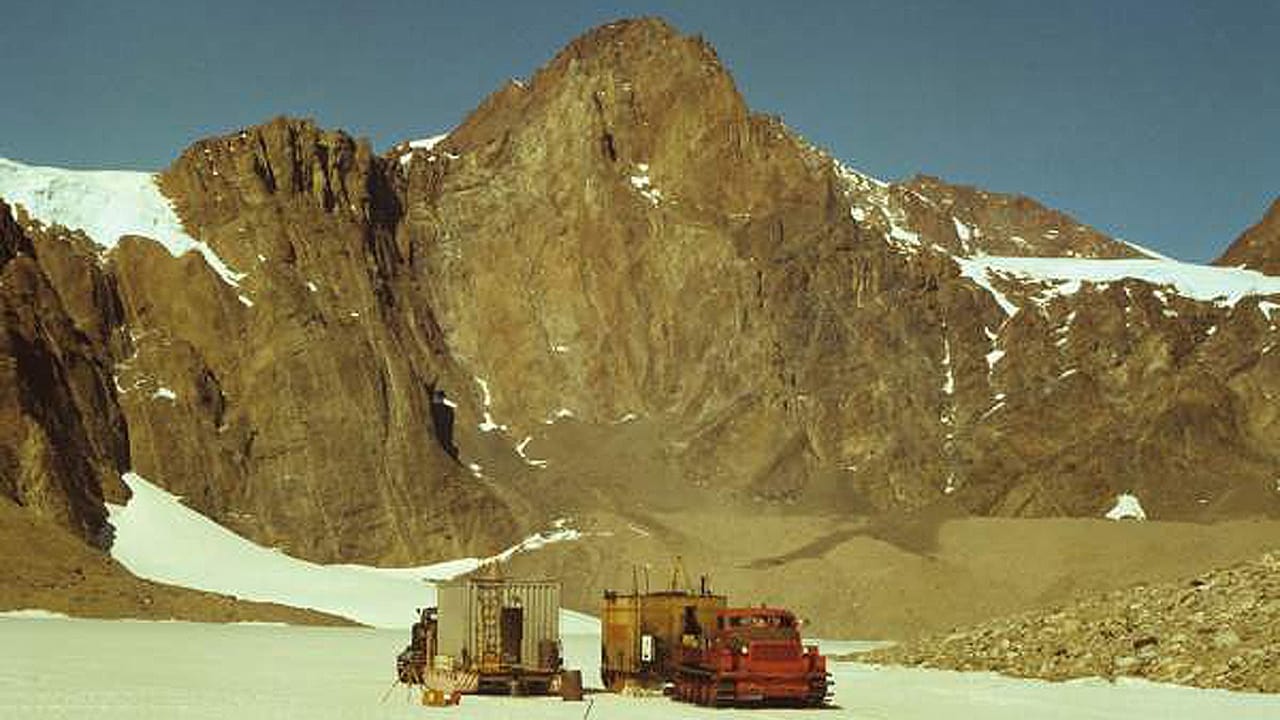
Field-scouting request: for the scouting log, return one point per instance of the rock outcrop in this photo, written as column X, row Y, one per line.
column 998, row 224
column 296, row 406
column 637, row 243
column 1259, row 246
column 63, row 438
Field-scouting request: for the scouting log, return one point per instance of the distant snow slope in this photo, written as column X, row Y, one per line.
column 33, row 614
column 1145, row 250
column 160, row 539
column 105, row 204
column 428, row 143
column 421, row 144
column 1065, row 276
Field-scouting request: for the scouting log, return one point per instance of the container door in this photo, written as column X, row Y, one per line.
column 512, row 634
column 691, row 626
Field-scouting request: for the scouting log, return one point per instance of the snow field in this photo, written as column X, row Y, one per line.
column 159, row 538
column 1198, row 282
column 126, row 670
column 105, row 204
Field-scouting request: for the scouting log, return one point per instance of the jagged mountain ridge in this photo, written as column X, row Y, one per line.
column 621, row 238
column 1259, row 246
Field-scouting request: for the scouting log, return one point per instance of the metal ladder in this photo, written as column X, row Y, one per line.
column 490, row 597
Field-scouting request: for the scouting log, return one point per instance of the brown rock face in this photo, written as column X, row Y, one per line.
column 615, row 295
column 635, row 242
column 296, row 408
column 1259, row 247
column 801, row 333
column 63, row 440
column 999, row 224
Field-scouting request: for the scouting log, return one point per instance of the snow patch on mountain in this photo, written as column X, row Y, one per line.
column 161, row 539
column 869, row 196
column 1127, row 507
column 487, row 423
column 994, row 357
column 1056, row 276
column 34, row 614
column 643, row 185
column 949, row 379
column 428, row 143
column 980, row 274
column 531, row 462
column 105, row 204
column 1145, row 250
column 1065, row 276
column 559, row 414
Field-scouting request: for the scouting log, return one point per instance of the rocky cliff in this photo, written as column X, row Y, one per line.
column 638, row 243
column 614, row 291
column 63, row 437
column 303, row 407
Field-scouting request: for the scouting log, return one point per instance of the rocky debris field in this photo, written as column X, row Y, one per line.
column 1217, row 630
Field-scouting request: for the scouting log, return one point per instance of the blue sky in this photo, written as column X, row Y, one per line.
column 1152, row 120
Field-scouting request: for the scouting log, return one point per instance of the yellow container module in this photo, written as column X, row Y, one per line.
column 643, row 634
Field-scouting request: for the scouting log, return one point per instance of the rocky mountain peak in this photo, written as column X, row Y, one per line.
column 632, row 72
column 229, row 189
column 285, row 156
column 636, row 100
column 1011, row 225
column 1258, row 248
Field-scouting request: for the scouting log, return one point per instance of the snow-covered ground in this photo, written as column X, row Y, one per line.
column 108, row 670
column 105, row 204
column 159, row 538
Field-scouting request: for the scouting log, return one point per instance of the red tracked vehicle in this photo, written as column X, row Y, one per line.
column 754, row 656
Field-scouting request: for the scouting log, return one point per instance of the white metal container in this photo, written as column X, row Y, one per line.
column 495, row 625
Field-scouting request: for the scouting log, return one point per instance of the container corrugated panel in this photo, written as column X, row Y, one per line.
column 471, row 618
column 453, row 626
